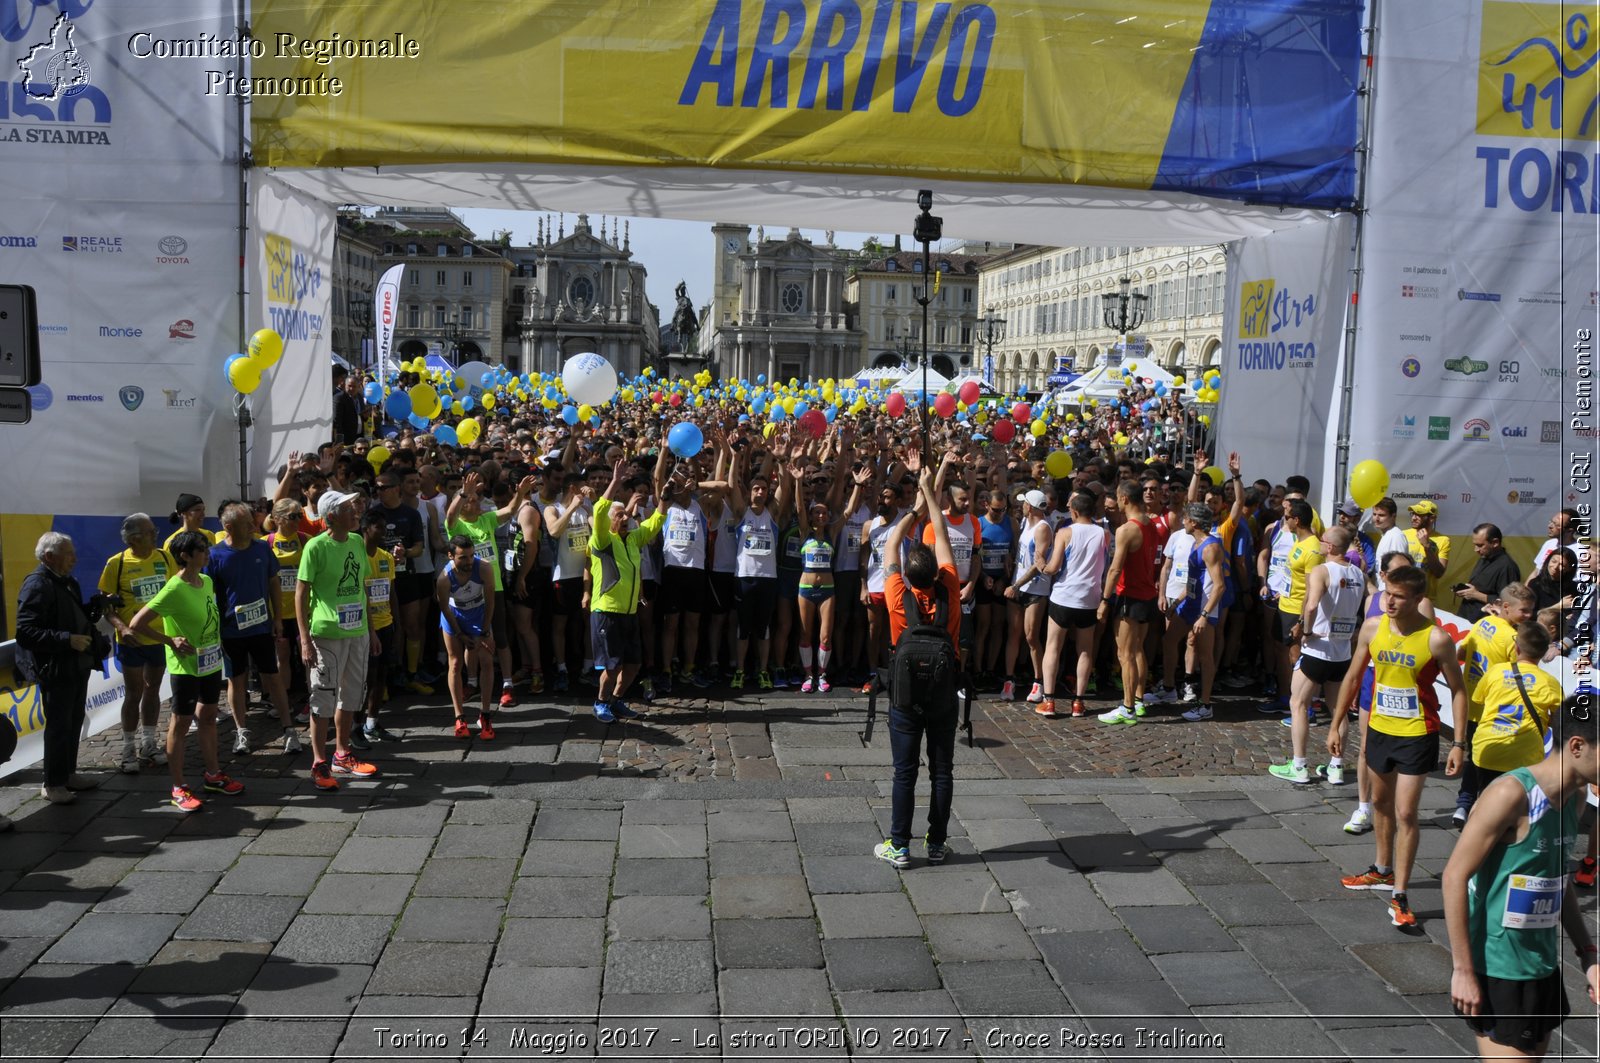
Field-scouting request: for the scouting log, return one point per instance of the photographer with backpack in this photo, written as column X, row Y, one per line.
column 924, row 605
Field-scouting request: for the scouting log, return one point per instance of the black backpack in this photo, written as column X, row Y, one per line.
column 924, row 669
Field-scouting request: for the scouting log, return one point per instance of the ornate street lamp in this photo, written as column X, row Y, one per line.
column 991, row 330
column 1123, row 310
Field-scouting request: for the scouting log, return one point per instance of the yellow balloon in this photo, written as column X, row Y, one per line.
column 245, row 375
column 1369, row 482
column 266, row 347
column 425, row 401
column 766, row 430
column 1205, row 419
column 1121, row 440
column 457, row 409
column 1037, row 428
column 377, row 456
column 1214, row 474
column 1058, row 464
column 586, row 412
column 488, row 400
column 469, row 430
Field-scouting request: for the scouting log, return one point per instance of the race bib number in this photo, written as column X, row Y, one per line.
column 680, row 534
column 484, row 551
column 994, row 557
column 378, row 591
column 578, row 541
column 1180, row 572
column 286, row 580
column 208, row 659
column 758, row 544
column 852, row 537
column 791, row 548
column 145, row 587
column 1343, row 627
column 1532, row 903
column 508, row 561
column 1399, row 703
column 352, row 616
column 250, row 614
column 962, row 549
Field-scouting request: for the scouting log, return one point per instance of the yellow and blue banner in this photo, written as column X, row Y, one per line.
column 1251, row 100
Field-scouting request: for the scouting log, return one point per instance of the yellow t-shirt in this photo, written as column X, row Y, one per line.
column 210, row 535
column 1304, row 555
column 1404, row 703
column 1418, row 554
column 137, row 582
column 1506, row 737
column 1491, row 641
column 286, row 548
column 380, row 589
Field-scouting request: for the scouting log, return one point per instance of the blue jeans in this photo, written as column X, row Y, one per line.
column 906, row 731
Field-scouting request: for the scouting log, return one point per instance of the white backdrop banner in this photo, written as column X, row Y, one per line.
column 1282, row 329
column 1480, row 258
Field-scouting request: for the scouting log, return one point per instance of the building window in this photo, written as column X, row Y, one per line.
column 438, row 278
column 794, row 298
column 466, row 278
column 916, row 265
column 411, row 249
column 1218, row 281
column 466, row 317
column 444, row 250
column 966, row 335
column 890, row 292
column 888, row 330
column 413, row 316
column 941, row 335
column 413, row 277
column 466, row 250
column 580, row 293
column 966, row 297
column 890, row 265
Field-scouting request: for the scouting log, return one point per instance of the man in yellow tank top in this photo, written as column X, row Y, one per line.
column 1402, row 748
column 1491, row 642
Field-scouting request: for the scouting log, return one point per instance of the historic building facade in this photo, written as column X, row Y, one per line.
column 582, row 292
column 778, row 308
column 1050, row 299
column 881, row 296
column 355, row 275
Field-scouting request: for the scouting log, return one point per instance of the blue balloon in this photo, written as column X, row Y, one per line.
column 778, row 413
column 373, row 393
column 550, row 392
column 761, row 378
column 830, row 413
column 446, row 435
column 685, row 439
column 418, row 421
column 398, row 405
column 227, row 365
column 961, row 415
column 569, row 414
column 468, row 402
column 487, row 380
column 390, row 431
column 760, row 405
column 1161, row 388
column 801, row 407
column 744, row 418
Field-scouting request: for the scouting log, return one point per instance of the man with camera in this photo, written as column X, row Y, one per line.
column 57, row 647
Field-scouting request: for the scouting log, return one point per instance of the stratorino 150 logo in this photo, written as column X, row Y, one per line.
column 1255, row 297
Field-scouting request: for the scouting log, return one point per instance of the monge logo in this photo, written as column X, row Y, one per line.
column 1536, row 80
column 52, row 81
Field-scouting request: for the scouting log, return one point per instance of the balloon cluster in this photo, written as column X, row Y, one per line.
column 243, row 371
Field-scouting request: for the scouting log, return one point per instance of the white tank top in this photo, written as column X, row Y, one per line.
column 1278, row 578
column 1338, row 615
column 877, row 536
column 572, row 549
column 1180, row 544
column 1083, row 570
column 683, row 538
column 848, row 556
column 964, row 540
column 423, row 562
column 756, row 540
column 727, row 548
column 1027, row 548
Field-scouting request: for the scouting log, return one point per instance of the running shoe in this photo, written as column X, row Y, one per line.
column 887, row 851
column 1458, row 818
column 153, row 750
column 823, row 685
column 185, row 800
column 1139, row 707
column 737, row 682
column 764, row 680
column 647, row 690
column 1160, row 694
column 1584, row 876
column 322, row 776
column 1400, row 913
column 1008, row 691
column 1300, row 776
column 805, row 688
column 1270, row 687
column 219, row 783
column 1370, row 879
column 302, row 715
column 623, row 711
column 1191, row 694
column 1234, row 680
column 562, row 682
column 701, row 680
column 1273, row 708
column 687, row 677
column 602, row 712
column 536, row 683
column 1198, row 714
column 663, row 683
column 376, row 732
column 1046, row 708
column 485, row 727
column 1120, row 714
column 936, row 851
column 1334, row 776
column 461, row 728
column 1360, row 822
column 358, row 740
column 417, row 686
column 130, row 760
column 508, row 696
column 1078, row 708
column 241, row 740
column 291, row 741
column 350, row 764
column 1035, row 695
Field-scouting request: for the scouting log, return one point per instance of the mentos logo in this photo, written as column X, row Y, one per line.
column 1536, row 80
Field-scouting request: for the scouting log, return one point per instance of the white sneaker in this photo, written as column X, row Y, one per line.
column 130, row 759
column 1008, row 691
column 1036, row 695
column 291, row 741
column 241, row 740
column 1198, row 713
column 1120, row 714
column 1289, row 773
column 1360, row 822
column 153, row 751
column 1159, row 694
column 1191, row 694
column 1333, row 776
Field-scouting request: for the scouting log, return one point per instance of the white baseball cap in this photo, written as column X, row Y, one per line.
column 1034, row 498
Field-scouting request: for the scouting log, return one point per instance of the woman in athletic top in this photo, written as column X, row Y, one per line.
column 819, row 530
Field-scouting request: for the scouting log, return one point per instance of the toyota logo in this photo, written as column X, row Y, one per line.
column 171, row 246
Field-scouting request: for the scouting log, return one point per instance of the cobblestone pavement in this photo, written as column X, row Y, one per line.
column 700, row 884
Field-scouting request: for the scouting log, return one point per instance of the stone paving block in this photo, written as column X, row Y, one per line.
column 1071, row 820
column 175, row 892
column 1011, row 835
column 849, row 874
column 79, row 872
column 567, row 859
column 676, row 878
column 1411, row 968
column 1139, row 887
column 195, row 854
column 891, row 1024
column 678, row 1020
column 1324, row 826
column 1174, row 835
column 222, row 917
column 767, row 943
column 752, row 991
column 158, row 1025
column 836, row 839
column 645, row 918
column 298, row 989
column 883, row 816
column 113, row 938
column 1068, row 904
column 288, row 876
column 1346, row 999
column 1249, row 904
column 1234, row 812
column 551, row 943
column 662, row 841
column 827, row 810
column 1094, row 956
column 1276, row 846
column 338, row 894
column 1381, row 1044
column 429, row 968
column 1141, row 1018
column 741, row 826
column 1177, row 929
column 977, row 938
column 25, row 849
column 494, row 810
column 760, row 897
column 659, row 967
column 450, row 919
column 541, row 992
column 491, row 840
column 19, row 953
column 1280, row 799
column 451, row 877
column 969, row 808
column 1306, row 882
column 1038, row 869
column 1217, row 978
column 414, row 821
column 1003, row 987
column 63, row 989
column 1355, row 918
column 880, row 964
column 554, row 898
column 348, row 938
column 302, row 839
column 755, row 858
column 953, row 890
column 578, row 824
column 1211, row 867
column 1294, row 948
column 867, row 915
column 663, row 812
column 197, row 968
column 392, row 856
column 40, row 914
column 1262, row 1031
column 259, row 1038
column 1092, row 851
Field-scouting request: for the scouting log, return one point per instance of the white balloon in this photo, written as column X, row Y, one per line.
column 471, row 373
column 589, row 379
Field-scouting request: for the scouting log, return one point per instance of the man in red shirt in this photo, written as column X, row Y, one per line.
column 929, row 586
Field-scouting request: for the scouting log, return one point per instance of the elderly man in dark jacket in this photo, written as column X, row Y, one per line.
column 57, row 648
